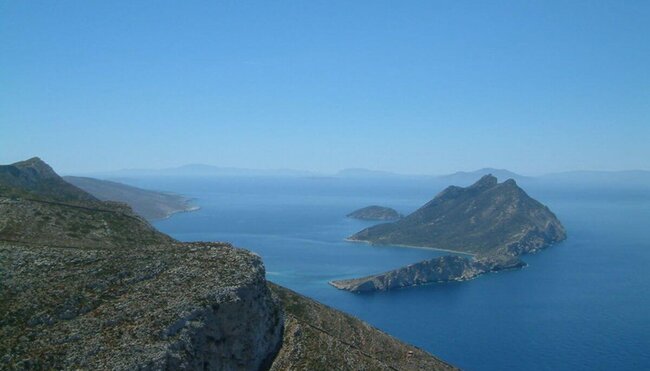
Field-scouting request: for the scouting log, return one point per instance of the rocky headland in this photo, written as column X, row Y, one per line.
column 87, row 284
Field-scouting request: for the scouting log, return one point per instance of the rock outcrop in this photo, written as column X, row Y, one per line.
column 443, row 269
column 178, row 306
column 375, row 213
column 484, row 218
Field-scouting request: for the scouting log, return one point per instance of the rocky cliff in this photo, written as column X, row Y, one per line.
column 443, row 269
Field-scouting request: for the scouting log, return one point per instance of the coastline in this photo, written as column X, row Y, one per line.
column 414, row 247
column 172, row 213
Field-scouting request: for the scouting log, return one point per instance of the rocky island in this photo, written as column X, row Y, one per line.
column 492, row 221
column 375, row 213
column 151, row 205
column 88, row 284
column 485, row 218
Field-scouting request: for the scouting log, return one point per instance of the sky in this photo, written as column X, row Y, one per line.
column 404, row 86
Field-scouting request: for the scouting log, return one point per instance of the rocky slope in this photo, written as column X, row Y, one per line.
column 375, row 213
column 86, row 284
column 484, row 218
column 443, row 269
column 38, row 206
column 316, row 335
column 34, row 179
column 149, row 204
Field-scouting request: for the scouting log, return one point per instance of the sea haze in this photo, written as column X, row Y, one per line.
column 582, row 304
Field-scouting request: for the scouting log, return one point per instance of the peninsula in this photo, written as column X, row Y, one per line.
column 494, row 222
column 152, row 205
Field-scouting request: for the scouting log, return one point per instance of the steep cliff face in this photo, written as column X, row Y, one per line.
column 485, row 218
column 180, row 306
column 443, row 269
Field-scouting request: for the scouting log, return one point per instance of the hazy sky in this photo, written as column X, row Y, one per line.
column 407, row 86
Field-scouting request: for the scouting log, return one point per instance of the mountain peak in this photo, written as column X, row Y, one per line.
column 486, row 181
column 33, row 178
column 37, row 167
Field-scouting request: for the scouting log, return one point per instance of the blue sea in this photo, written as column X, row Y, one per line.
column 583, row 304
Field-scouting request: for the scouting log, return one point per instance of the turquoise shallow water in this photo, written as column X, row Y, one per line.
column 581, row 305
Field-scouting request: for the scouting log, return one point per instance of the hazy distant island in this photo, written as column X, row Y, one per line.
column 375, row 212
column 494, row 222
column 89, row 284
column 152, row 205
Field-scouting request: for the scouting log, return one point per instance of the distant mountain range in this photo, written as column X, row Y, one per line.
column 460, row 178
column 202, row 170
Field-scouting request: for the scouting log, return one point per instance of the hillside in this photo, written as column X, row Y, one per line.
column 86, row 284
column 485, row 218
column 35, row 179
column 151, row 205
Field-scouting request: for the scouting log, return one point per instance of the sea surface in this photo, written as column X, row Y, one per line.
column 583, row 304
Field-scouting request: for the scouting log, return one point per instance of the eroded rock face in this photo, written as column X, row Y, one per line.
column 182, row 306
column 443, row 269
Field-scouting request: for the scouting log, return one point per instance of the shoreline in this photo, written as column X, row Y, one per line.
column 413, row 247
column 172, row 213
